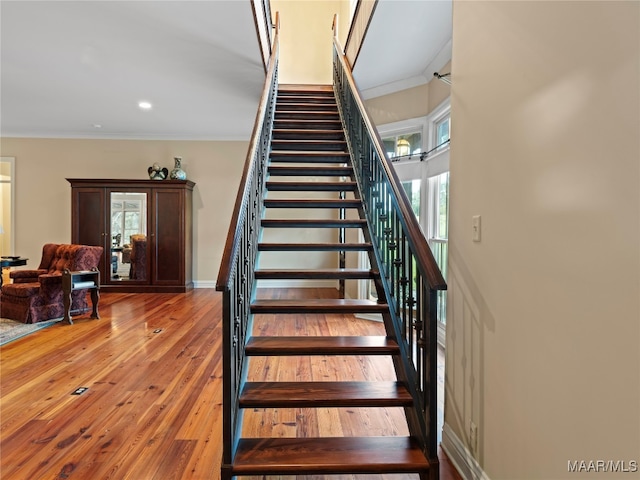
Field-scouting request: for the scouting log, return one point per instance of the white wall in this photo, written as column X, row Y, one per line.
column 43, row 196
column 544, row 314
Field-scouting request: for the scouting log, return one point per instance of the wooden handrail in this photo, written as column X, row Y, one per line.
column 424, row 259
column 233, row 243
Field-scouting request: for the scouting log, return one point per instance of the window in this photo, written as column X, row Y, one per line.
column 442, row 131
column 425, row 179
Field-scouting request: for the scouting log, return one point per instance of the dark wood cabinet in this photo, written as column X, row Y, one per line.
column 145, row 228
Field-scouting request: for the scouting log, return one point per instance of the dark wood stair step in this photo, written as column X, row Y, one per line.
column 329, row 455
column 324, row 394
column 325, row 171
column 312, row 203
column 307, row 134
column 313, row 90
column 290, row 346
column 307, row 107
column 311, row 186
column 313, row 223
column 309, row 157
column 306, row 115
column 313, row 124
column 314, row 247
column 306, row 98
column 313, row 145
column 316, row 274
column 318, row 306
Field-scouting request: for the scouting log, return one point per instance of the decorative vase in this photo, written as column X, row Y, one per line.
column 177, row 173
column 156, row 172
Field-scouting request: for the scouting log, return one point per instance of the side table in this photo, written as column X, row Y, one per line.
column 11, row 262
column 78, row 280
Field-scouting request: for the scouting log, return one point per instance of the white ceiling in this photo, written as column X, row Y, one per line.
column 407, row 41
column 70, row 65
column 67, row 66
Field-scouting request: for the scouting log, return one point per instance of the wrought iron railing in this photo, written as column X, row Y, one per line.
column 409, row 274
column 236, row 279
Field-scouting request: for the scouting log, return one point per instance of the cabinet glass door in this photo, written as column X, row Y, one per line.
column 128, row 237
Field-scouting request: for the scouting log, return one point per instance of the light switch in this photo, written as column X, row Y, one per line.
column 476, row 228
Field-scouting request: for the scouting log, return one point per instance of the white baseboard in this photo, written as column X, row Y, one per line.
column 204, row 284
column 467, row 466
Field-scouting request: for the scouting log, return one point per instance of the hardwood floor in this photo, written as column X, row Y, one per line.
column 152, row 365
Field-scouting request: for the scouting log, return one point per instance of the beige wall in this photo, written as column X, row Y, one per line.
column 306, row 38
column 410, row 103
column 544, row 314
column 43, row 196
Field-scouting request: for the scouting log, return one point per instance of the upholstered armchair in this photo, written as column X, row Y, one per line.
column 138, row 270
column 36, row 295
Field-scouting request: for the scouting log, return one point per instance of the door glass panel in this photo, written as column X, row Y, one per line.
column 128, row 236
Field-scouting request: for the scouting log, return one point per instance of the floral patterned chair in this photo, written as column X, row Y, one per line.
column 36, row 295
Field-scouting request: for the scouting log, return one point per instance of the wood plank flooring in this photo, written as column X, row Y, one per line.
column 152, row 365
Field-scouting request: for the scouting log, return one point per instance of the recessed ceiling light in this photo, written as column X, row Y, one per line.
column 96, row 125
column 144, row 105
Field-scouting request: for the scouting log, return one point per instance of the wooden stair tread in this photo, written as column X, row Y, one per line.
column 312, row 203
column 303, row 124
column 312, row 106
column 318, row 306
column 328, row 455
column 312, row 186
column 307, row 131
column 305, row 98
column 309, row 156
column 297, row 141
column 312, row 223
column 301, row 345
column 324, row 394
column 321, row 273
column 328, row 170
column 298, row 88
column 308, row 114
column 306, row 145
column 314, row 247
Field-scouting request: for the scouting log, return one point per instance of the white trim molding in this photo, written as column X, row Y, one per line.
column 204, row 284
column 462, row 459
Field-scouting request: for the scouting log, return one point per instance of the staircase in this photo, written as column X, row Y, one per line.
column 309, row 154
